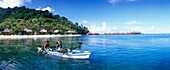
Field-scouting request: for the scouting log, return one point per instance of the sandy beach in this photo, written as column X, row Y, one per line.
column 35, row 36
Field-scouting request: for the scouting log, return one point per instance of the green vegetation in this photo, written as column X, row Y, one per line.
column 17, row 18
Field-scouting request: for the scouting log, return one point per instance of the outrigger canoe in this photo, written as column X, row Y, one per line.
column 75, row 54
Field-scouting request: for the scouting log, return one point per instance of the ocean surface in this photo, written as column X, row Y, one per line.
column 109, row 52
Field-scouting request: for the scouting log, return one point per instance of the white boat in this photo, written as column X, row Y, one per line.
column 75, row 54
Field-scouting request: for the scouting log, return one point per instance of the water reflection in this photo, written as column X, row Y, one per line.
column 66, row 60
column 10, row 65
column 108, row 52
column 22, row 53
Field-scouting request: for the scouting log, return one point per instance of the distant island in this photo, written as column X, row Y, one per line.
column 22, row 20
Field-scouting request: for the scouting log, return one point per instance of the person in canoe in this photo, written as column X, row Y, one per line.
column 59, row 46
column 47, row 46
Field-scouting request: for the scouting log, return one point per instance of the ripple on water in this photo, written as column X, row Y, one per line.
column 129, row 52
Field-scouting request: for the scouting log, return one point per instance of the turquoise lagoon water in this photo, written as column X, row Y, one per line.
column 118, row 52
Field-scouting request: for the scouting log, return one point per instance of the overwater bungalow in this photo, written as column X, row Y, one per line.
column 123, row 33
column 109, row 33
column 96, row 34
column 113, row 33
column 134, row 33
column 89, row 34
column 126, row 33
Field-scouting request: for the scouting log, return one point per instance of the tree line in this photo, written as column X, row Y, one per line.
column 17, row 18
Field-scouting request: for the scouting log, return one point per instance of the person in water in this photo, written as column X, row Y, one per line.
column 59, row 46
column 47, row 46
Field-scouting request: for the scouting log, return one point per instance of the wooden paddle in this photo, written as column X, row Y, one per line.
column 41, row 52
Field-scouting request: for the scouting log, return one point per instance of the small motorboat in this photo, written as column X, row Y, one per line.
column 74, row 54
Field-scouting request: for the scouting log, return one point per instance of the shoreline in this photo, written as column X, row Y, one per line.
column 36, row 36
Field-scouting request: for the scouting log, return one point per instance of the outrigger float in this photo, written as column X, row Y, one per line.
column 74, row 54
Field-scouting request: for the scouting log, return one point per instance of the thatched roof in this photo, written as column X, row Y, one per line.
column 6, row 31
column 27, row 30
column 71, row 31
column 56, row 31
column 43, row 31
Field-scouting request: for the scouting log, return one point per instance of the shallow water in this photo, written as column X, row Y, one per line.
column 118, row 52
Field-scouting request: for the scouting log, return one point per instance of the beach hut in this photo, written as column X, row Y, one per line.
column 25, row 29
column 69, row 31
column 6, row 31
column 56, row 31
column 35, row 33
column 29, row 31
column 43, row 31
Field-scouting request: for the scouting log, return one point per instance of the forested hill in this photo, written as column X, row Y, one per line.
column 18, row 18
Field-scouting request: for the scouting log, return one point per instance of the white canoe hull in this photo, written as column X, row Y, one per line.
column 72, row 55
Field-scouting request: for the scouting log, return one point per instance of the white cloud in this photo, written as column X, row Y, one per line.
column 114, row 2
column 12, row 3
column 94, row 28
column 38, row 8
column 104, row 26
column 153, row 27
column 134, row 22
column 114, row 28
column 79, row 23
column 138, row 29
column 84, row 21
column 48, row 8
column 102, row 29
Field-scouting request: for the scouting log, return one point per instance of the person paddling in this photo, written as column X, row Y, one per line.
column 47, row 46
column 59, row 46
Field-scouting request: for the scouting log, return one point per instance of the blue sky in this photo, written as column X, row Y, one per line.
column 146, row 16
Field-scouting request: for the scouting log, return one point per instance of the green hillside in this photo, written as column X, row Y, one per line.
column 18, row 18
